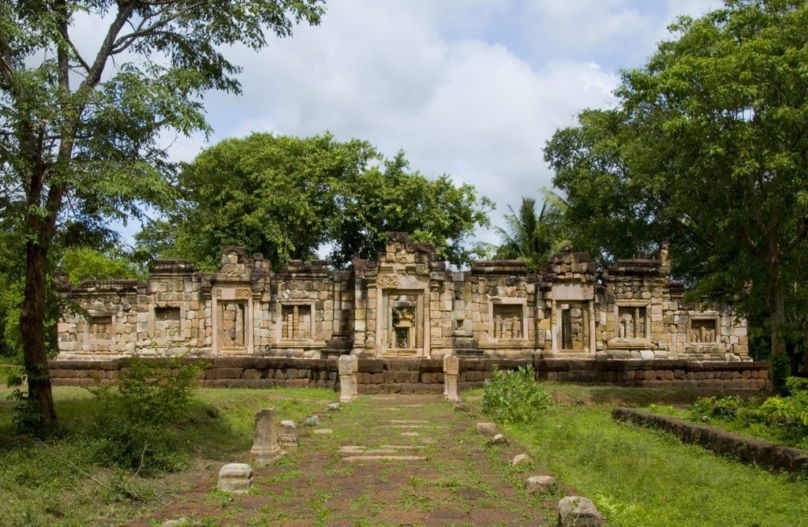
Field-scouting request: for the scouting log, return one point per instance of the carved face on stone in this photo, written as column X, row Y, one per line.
column 232, row 257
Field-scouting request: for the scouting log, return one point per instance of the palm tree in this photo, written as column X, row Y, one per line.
column 533, row 237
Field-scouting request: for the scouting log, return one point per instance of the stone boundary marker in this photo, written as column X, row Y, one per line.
column 718, row 441
column 265, row 449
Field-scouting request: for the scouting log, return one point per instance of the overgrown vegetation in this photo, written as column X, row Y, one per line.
column 782, row 419
column 629, row 471
column 64, row 480
column 514, row 396
column 132, row 426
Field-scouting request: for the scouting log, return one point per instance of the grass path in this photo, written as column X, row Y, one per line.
column 458, row 481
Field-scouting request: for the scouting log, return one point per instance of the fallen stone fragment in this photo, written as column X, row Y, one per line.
column 498, row 439
column 235, row 478
column 323, row 431
column 540, row 484
column 180, row 522
column 410, row 434
column 521, row 459
column 576, row 511
column 314, row 420
column 383, row 458
column 488, row 429
column 287, row 438
column 462, row 406
column 333, row 407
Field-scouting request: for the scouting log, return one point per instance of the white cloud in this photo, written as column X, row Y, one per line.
column 430, row 78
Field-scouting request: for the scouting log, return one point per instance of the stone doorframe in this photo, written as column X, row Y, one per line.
column 563, row 293
column 241, row 293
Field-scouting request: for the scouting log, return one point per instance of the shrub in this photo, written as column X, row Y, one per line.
column 133, row 426
column 514, row 396
column 721, row 408
column 789, row 414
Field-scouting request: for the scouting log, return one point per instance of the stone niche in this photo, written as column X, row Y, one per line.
column 100, row 328
column 297, row 322
column 508, row 321
column 703, row 330
column 168, row 323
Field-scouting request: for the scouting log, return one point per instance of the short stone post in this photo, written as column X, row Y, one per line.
column 345, row 370
column 354, row 375
column 235, row 478
column 265, row 448
column 451, row 369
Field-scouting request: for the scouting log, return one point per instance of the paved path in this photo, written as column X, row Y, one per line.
column 395, row 460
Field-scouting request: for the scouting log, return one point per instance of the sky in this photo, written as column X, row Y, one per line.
column 469, row 88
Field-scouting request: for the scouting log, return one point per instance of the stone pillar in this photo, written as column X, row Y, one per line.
column 345, row 372
column 265, row 448
column 354, row 375
column 451, row 370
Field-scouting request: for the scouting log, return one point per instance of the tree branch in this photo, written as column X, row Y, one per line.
column 125, row 41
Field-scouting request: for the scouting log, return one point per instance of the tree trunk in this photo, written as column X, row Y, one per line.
column 32, row 323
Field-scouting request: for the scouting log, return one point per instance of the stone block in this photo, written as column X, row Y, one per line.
column 576, row 511
column 540, row 484
column 235, row 478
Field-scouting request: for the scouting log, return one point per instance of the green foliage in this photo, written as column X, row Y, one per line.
column 287, row 196
column 782, row 419
column 133, row 425
column 514, row 396
column 84, row 263
column 789, row 415
column 723, row 408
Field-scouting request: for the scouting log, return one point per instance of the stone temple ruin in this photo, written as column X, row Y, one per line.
column 404, row 304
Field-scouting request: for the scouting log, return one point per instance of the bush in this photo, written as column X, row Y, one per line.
column 789, row 415
column 721, row 408
column 133, row 426
column 514, row 396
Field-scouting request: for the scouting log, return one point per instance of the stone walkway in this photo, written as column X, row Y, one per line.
column 403, row 460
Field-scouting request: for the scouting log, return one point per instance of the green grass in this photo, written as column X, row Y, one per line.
column 640, row 477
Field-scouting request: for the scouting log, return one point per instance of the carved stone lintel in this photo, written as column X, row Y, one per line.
column 387, row 281
column 243, row 292
column 233, row 270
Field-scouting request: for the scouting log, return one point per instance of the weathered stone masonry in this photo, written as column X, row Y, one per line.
column 406, row 304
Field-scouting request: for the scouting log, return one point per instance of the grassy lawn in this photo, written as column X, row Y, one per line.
column 640, row 477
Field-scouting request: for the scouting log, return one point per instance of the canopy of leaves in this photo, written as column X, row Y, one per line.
column 286, row 197
column 708, row 147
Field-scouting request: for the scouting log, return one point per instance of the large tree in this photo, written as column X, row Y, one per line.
column 287, row 197
column 75, row 131
column 708, row 146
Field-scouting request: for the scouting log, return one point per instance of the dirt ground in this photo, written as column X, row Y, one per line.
column 456, row 480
